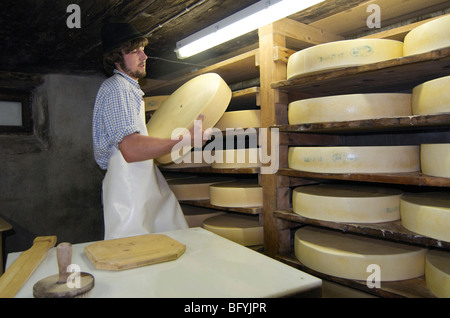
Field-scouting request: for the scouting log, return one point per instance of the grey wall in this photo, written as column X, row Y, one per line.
column 49, row 182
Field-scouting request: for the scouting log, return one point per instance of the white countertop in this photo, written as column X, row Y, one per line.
column 211, row 267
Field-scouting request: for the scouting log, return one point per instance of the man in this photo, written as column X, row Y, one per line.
column 136, row 197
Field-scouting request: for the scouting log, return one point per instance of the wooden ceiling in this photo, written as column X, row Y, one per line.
column 36, row 39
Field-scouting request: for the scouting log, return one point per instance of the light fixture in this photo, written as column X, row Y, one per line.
column 251, row 18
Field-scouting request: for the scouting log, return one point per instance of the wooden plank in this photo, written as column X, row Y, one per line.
column 393, row 75
column 207, row 204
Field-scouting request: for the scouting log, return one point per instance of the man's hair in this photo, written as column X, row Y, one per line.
column 115, row 56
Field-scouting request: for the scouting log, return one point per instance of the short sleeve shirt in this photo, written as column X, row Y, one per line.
column 116, row 114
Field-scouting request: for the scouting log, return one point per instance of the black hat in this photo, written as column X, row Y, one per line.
column 115, row 34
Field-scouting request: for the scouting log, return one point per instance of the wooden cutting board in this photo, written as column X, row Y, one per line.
column 132, row 252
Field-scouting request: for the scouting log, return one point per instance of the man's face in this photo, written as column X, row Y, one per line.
column 134, row 63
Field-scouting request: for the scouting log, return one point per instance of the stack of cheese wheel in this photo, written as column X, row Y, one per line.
column 240, row 119
column 241, row 193
column 241, row 229
column 349, row 107
column 354, row 159
column 429, row 36
column 347, row 203
column 206, row 94
column 427, row 214
column 350, row 256
column 236, row 158
column 341, row 54
column 196, row 188
column 437, row 273
column 195, row 215
column 432, row 97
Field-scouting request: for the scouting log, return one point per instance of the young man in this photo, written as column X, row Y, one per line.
column 136, row 197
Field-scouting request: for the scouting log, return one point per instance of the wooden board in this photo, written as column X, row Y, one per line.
column 132, row 252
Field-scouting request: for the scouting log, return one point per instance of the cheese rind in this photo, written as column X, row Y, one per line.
column 434, row 160
column 347, row 203
column 340, row 54
column 240, row 119
column 342, row 159
column 240, row 193
column 349, row 107
column 349, row 256
column 432, row 97
column 206, row 94
column 437, row 273
column 241, row 229
column 427, row 214
column 427, row 37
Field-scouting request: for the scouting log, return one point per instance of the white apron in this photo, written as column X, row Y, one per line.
column 136, row 197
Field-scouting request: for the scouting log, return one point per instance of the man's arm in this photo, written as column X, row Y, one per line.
column 136, row 147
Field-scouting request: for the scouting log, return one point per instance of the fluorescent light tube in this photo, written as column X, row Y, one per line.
column 242, row 22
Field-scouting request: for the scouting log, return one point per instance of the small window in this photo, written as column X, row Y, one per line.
column 15, row 112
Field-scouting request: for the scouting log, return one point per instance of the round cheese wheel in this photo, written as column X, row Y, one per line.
column 236, row 158
column 195, row 216
column 206, row 94
column 435, row 160
column 240, row 119
column 437, row 272
column 347, row 203
column 241, row 229
column 242, row 193
column 427, row 214
column 427, row 37
column 349, row 256
column 341, row 54
column 342, row 159
column 196, row 188
column 432, row 97
column 349, row 107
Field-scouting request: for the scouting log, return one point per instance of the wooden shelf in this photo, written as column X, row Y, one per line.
column 387, row 230
column 393, row 75
column 209, row 169
column 410, row 288
column 207, row 204
column 409, row 178
column 372, row 125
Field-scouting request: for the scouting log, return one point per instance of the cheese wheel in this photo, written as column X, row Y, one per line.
column 236, row 158
column 342, row 159
column 240, row 119
column 341, row 54
column 242, row 193
column 347, row 203
column 195, row 216
column 427, row 37
column 206, row 94
column 432, row 97
column 194, row 188
column 349, row 256
column 437, row 273
column 241, row 229
column 435, row 160
column 152, row 103
column 427, row 214
column 349, row 107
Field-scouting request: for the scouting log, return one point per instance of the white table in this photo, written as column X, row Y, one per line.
column 211, row 266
